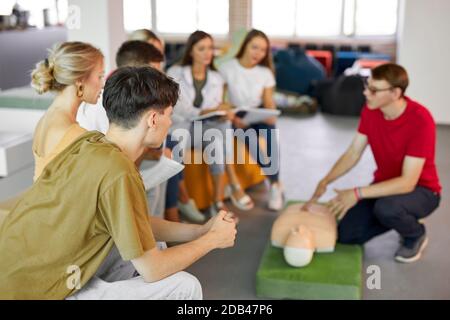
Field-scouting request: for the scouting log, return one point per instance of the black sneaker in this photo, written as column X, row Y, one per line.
column 411, row 249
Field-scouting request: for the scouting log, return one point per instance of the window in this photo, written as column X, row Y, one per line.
column 6, row 7
column 190, row 15
column 62, row 7
column 177, row 16
column 213, row 16
column 137, row 14
column 318, row 17
column 321, row 18
column 376, row 17
column 349, row 17
column 273, row 18
column 44, row 12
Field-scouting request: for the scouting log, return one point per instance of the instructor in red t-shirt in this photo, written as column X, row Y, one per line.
column 406, row 188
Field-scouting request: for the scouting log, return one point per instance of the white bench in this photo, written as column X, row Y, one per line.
column 15, row 152
column 20, row 111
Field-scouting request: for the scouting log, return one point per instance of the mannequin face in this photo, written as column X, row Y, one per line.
column 94, row 83
column 255, row 51
column 158, row 124
column 379, row 94
column 203, row 52
column 298, row 257
column 299, row 247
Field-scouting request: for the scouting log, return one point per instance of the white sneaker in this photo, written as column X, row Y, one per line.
column 189, row 211
column 276, row 197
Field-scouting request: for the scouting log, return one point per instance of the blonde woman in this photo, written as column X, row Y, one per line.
column 75, row 71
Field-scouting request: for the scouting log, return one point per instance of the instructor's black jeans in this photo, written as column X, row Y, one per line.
column 372, row 217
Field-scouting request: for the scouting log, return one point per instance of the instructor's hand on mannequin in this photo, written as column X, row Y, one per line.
column 320, row 190
column 344, row 201
column 223, row 230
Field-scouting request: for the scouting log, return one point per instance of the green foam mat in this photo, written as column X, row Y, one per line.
column 336, row 275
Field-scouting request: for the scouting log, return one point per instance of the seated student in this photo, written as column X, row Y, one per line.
column 250, row 82
column 148, row 36
column 178, row 199
column 74, row 70
column 131, row 53
column 201, row 89
column 402, row 135
column 93, row 117
column 82, row 231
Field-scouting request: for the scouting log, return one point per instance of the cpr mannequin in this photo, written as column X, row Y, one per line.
column 302, row 232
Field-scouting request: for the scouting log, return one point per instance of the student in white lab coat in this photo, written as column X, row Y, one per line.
column 250, row 83
column 201, row 93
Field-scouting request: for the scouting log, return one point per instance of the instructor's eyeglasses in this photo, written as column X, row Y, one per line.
column 373, row 90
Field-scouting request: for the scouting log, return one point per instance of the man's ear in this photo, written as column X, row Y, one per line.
column 151, row 119
column 398, row 93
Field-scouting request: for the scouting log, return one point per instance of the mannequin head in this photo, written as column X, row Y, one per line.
column 299, row 247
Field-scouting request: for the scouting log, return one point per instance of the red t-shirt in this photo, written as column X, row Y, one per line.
column 411, row 134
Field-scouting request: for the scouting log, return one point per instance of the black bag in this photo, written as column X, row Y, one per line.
column 343, row 96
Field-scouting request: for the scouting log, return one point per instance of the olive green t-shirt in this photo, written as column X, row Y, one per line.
column 88, row 198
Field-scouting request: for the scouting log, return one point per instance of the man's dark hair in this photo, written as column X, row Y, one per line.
column 137, row 53
column 130, row 91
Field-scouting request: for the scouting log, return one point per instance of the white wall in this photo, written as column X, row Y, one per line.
column 424, row 50
column 101, row 24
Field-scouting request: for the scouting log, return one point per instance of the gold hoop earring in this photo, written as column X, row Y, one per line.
column 80, row 92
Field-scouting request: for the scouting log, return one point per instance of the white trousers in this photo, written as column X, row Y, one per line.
column 115, row 281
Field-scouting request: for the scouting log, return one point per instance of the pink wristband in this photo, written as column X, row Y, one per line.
column 358, row 194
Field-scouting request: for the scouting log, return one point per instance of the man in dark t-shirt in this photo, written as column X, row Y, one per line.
column 405, row 188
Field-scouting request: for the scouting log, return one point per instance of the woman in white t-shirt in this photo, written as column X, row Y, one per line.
column 201, row 92
column 250, row 83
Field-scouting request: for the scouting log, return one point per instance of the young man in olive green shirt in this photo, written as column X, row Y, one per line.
column 84, row 226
